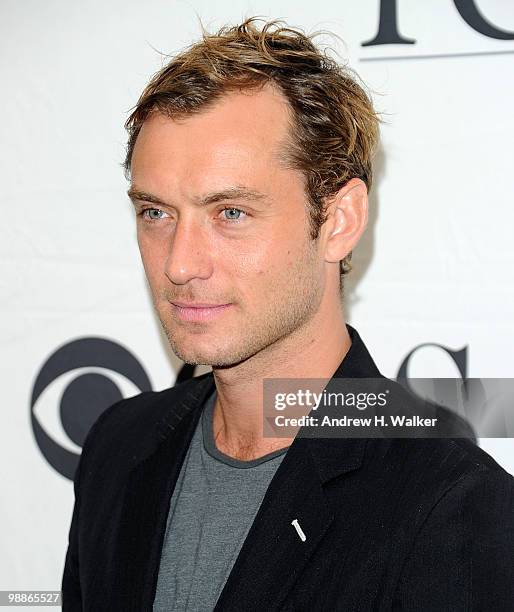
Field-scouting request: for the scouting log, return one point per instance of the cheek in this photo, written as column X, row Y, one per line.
column 272, row 261
column 153, row 256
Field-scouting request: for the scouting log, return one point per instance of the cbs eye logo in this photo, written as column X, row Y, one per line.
column 73, row 387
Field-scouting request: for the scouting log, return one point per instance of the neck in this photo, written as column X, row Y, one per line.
column 313, row 351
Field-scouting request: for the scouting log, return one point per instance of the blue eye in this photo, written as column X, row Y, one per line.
column 235, row 213
column 151, row 210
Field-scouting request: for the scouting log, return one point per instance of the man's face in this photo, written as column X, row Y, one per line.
column 255, row 260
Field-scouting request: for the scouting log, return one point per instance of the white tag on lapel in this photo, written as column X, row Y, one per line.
column 299, row 530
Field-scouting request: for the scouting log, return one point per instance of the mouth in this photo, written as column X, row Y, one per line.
column 198, row 312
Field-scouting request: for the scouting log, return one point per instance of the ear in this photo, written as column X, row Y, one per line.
column 347, row 217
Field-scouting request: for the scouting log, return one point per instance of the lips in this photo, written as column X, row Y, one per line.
column 196, row 305
column 199, row 311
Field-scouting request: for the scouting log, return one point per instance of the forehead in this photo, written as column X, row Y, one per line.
column 242, row 133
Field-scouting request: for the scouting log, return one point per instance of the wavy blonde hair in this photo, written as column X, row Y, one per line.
column 335, row 128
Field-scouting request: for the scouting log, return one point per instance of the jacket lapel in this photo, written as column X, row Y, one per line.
column 273, row 554
column 146, row 503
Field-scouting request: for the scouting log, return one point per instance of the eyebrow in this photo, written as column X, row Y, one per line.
column 231, row 193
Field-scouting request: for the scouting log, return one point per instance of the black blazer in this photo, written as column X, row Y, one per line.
column 390, row 524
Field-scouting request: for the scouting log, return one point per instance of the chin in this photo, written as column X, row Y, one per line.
column 214, row 356
column 215, row 359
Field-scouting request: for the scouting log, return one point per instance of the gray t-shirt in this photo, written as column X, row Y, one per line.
column 212, row 509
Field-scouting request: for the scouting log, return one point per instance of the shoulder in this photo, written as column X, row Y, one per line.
column 128, row 430
column 460, row 551
column 430, row 473
column 439, row 462
column 477, row 485
column 143, row 411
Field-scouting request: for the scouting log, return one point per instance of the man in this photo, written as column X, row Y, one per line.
column 250, row 162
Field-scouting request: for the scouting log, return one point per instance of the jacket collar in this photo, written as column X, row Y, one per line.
column 357, row 363
column 335, row 456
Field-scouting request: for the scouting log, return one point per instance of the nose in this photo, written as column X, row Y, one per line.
column 188, row 254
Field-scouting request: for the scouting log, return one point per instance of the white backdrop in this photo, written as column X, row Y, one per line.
column 434, row 267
